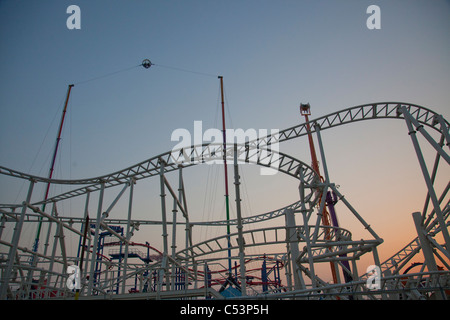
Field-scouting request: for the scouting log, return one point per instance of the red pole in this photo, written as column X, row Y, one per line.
column 326, row 221
column 226, row 173
column 36, row 241
column 57, row 142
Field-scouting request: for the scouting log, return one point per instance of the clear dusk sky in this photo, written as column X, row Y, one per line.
column 273, row 55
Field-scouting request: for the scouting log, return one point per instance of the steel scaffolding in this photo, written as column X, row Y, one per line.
column 293, row 246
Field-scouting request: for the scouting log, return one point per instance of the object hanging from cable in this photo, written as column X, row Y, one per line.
column 146, row 63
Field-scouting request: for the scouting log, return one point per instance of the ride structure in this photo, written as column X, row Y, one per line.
column 281, row 259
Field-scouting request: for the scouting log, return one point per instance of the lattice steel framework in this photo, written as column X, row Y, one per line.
column 175, row 273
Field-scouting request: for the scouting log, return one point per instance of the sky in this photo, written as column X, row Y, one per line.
column 273, row 55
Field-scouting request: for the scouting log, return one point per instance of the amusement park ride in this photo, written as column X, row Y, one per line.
column 110, row 264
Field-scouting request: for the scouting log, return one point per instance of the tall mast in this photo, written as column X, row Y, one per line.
column 52, row 167
column 326, row 221
column 226, row 173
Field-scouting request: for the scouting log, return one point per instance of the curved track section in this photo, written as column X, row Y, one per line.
column 177, row 270
column 174, row 160
column 372, row 111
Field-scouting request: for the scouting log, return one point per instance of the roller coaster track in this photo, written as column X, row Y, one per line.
column 259, row 152
column 214, row 152
column 171, row 160
column 380, row 110
column 399, row 260
column 258, row 237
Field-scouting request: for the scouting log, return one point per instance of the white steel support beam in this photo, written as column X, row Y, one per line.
column 308, row 248
column 433, row 177
column 2, row 226
column 54, row 219
column 355, row 213
column 410, row 119
column 187, row 230
column 428, row 181
column 15, row 243
column 128, row 234
column 319, row 212
column 18, row 272
column 444, row 129
column 292, row 240
column 49, row 230
column 239, row 225
column 174, row 241
column 163, row 269
column 58, row 227
column 82, row 242
column 424, row 243
column 96, row 239
column 327, row 181
column 126, row 185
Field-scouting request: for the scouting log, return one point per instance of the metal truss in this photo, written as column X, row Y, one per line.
column 295, row 241
column 381, row 110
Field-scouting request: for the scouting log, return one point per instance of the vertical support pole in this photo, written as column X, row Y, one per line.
column 227, row 205
column 322, row 153
column 15, row 244
column 305, row 111
column 444, row 129
column 188, row 231
column 307, row 236
column 175, row 273
column 291, row 239
column 52, row 166
column 182, row 198
column 2, row 226
column 62, row 245
column 207, row 280
column 85, row 230
column 308, row 248
column 331, row 200
column 162, row 271
column 354, row 268
column 46, row 245
column 287, row 266
column 96, row 239
column 239, row 225
column 128, row 235
column 431, row 192
column 55, row 245
column 433, row 178
column 334, row 265
column 49, row 230
column 264, row 279
column 424, row 243
column 376, row 257
column 83, row 249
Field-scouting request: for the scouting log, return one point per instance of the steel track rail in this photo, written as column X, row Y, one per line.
column 213, row 152
column 196, row 155
column 379, row 110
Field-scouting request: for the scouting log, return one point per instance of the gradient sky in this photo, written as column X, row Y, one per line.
column 273, row 55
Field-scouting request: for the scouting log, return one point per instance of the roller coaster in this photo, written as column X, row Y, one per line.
column 276, row 260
